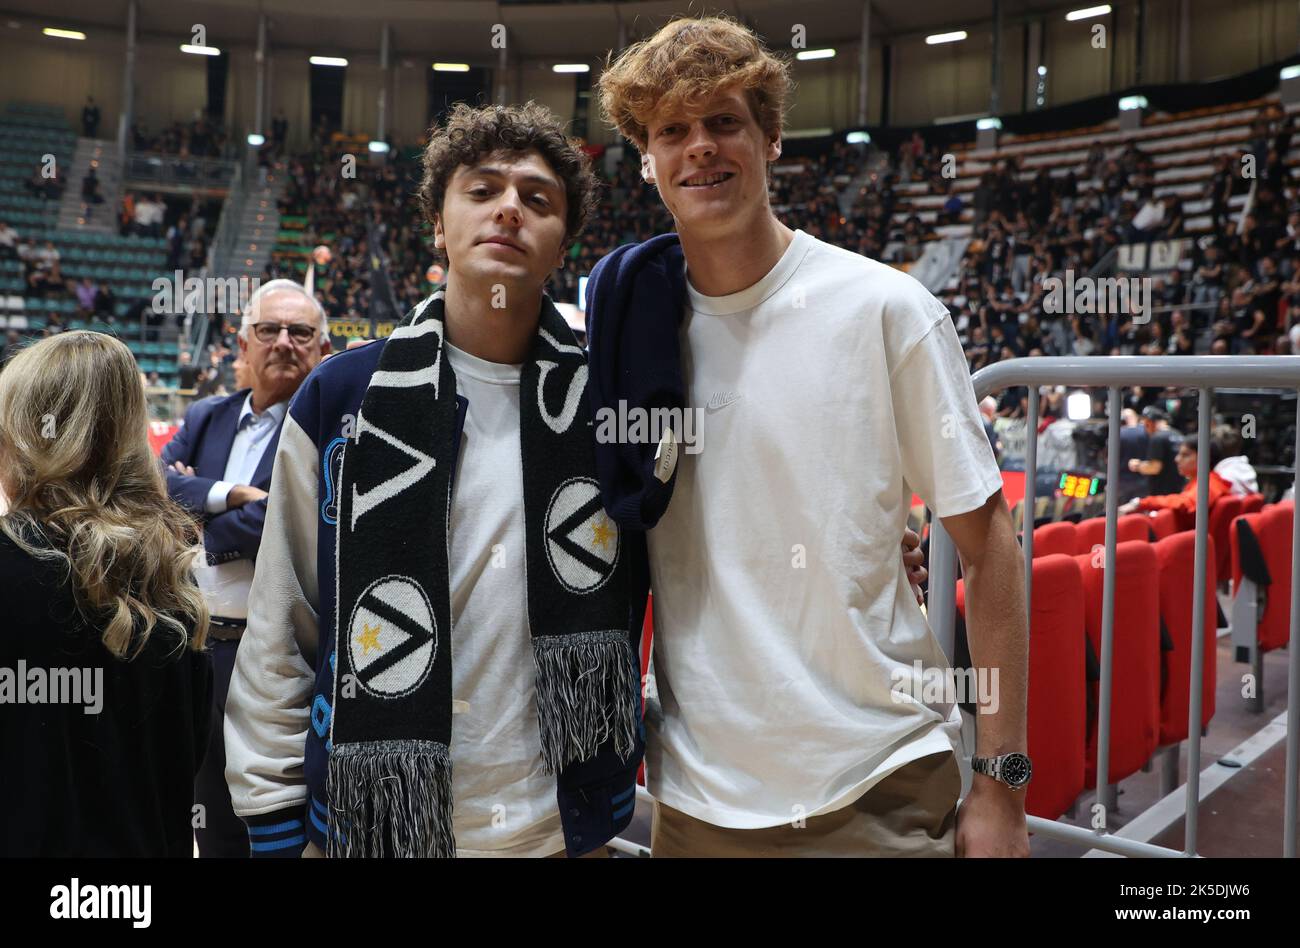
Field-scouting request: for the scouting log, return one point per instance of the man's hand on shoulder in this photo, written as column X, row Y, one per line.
column 914, row 564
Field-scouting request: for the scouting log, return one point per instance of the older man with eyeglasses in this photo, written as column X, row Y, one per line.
column 219, row 467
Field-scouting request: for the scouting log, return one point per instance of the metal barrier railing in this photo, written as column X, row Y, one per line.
column 1204, row 373
column 148, row 168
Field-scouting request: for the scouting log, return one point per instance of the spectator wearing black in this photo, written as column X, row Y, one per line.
column 176, row 236
column 49, row 187
column 1180, row 337
column 90, row 118
column 1289, row 243
column 209, row 383
column 187, row 374
column 279, row 132
column 90, row 188
column 1219, row 189
column 1207, row 282
column 1162, row 446
column 108, row 770
column 1112, row 183
column 1172, row 290
column 90, row 195
column 42, row 274
column 1268, row 292
column 1172, row 225
column 1132, row 448
column 105, row 300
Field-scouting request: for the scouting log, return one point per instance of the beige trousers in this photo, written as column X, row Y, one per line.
column 911, row 813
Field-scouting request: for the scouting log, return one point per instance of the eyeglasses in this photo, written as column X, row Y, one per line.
column 300, row 333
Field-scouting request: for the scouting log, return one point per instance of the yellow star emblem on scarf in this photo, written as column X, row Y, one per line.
column 369, row 638
column 601, row 531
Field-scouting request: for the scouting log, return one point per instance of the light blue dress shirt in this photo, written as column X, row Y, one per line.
column 253, row 433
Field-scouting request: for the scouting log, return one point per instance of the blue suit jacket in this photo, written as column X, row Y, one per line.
column 203, row 443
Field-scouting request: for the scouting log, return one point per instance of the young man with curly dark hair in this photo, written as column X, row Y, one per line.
column 438, row 581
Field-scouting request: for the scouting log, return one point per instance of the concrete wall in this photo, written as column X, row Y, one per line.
column 928, row 82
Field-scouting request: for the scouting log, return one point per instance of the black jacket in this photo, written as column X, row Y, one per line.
column 119, row 782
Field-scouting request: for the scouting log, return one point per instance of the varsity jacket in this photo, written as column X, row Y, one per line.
column 282, row 689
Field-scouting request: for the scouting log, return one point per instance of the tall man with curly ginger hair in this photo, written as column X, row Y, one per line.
column 788, row 716
column 438, row 582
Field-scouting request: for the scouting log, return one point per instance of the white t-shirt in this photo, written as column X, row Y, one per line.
column 505, row 804
column 835, row 387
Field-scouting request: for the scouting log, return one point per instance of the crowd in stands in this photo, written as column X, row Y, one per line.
column 345, row 214
column 40, row 266
column 1239, row 295
column 199, row 138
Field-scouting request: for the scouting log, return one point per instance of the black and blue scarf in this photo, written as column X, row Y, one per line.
column 636, row 298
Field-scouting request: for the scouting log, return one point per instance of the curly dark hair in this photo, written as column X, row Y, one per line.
column 472, row 133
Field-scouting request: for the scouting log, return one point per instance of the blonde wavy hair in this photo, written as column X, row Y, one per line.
column 683, row 65
column 85, row 489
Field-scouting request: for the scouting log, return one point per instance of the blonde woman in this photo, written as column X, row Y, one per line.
column 104, row 688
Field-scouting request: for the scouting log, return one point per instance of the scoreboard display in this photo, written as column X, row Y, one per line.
column 1079, row 486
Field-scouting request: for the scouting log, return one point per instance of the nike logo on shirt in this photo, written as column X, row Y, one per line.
column 720, row 400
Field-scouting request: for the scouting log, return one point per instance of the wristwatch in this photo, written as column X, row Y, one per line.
column 1012, row 769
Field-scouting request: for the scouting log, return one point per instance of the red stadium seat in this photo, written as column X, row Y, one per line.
column 1261, row 576
column 1054, row 538
column 1177, row 559
column 1221, row 516
column 1135, row 682
column 647, row 640
column 1252, row 503
column 1275, row 623
column 1092, row 532
column 1058, row 701
column 1251, row 524
column 1266, row 535
column 1164, row 524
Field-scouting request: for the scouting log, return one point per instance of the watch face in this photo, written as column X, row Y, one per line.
column 1016, row 769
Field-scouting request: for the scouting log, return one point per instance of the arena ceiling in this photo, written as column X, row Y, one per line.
column 563, row 29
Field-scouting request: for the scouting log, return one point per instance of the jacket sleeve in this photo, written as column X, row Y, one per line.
column 268, row 706
column 237, row 533
column 190, row 492
column 1168, row 502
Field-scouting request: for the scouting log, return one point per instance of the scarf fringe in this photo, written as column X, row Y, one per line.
column 587, row 692
column 390, row 799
